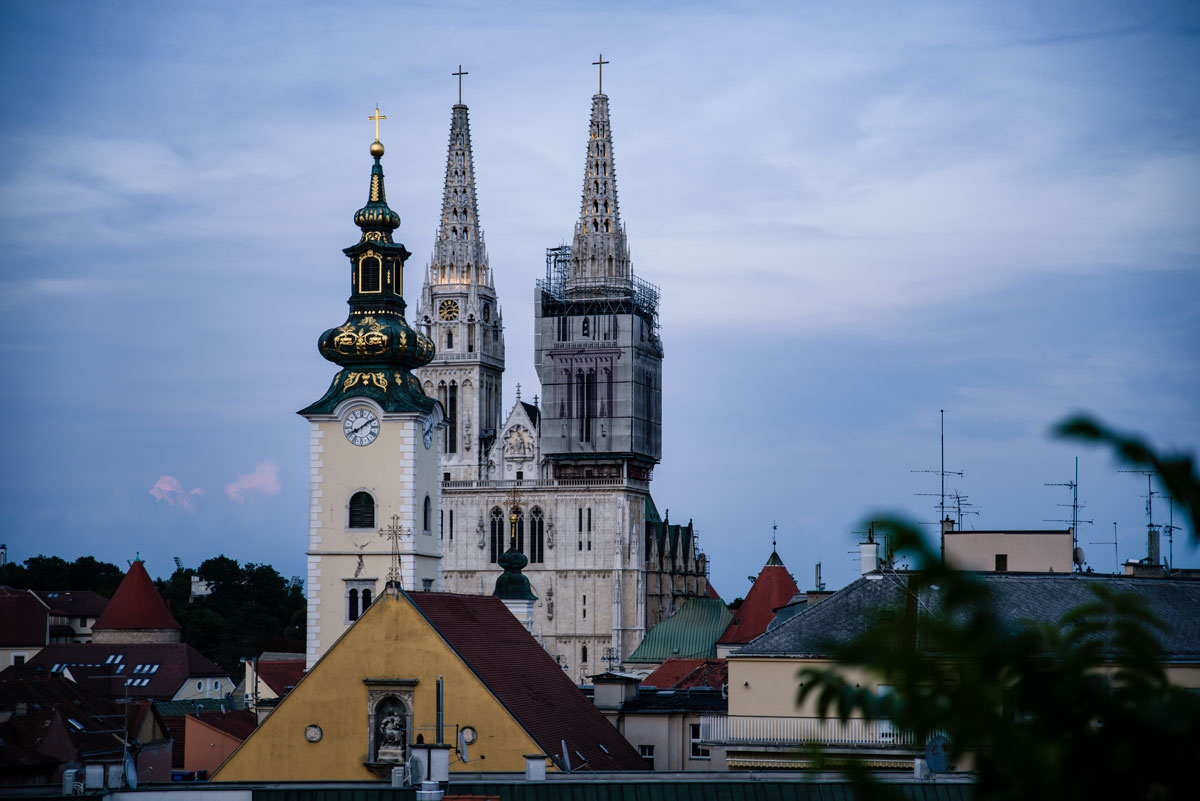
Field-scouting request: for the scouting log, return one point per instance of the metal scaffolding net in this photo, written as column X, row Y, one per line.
column 604, row 295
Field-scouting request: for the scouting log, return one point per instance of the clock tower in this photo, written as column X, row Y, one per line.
column 373, row 439
column 460, row 312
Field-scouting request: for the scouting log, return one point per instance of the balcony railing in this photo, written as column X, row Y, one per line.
column 547, row 483
column 746, row 729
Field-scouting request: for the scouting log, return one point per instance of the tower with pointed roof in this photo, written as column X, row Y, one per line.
column 459, row 311
column 598, row 353
column 373, row 439
column 136, row 613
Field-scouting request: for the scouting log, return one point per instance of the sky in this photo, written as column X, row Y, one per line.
column 858, row 213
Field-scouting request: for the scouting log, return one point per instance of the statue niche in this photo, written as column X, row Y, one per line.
column 391, row 730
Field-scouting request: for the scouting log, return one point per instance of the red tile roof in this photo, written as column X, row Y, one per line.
column 24, row 620
column 234, row 722
column 527, row 681
column 280, row 674
column 74, row 603
column 711, row 591
column 136, row 604
column 680, row 674
column 773, row 588
column 154, row 670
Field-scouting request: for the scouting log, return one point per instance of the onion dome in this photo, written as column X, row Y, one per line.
column 512, row 585
column 375, row 346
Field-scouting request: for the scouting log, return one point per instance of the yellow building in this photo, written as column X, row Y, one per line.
column 356, row 714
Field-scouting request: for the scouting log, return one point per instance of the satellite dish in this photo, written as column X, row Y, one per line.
column 937, row 754
column 462, row 747
column 416, row 770
column 130, row 772
column 1079, row 556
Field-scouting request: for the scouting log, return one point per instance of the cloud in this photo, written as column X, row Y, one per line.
column 168, row 489
column 265, row 478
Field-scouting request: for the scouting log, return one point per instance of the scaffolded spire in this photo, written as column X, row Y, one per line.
column 459, row 253
column 599, row 252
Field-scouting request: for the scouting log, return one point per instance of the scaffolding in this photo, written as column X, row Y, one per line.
column 602, row 295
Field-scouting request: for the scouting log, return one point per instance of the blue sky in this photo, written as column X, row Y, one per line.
column 858, row 214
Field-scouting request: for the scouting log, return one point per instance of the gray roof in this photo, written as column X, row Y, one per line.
column 1028, row 596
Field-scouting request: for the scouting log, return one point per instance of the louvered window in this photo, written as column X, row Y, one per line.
column 362, row 510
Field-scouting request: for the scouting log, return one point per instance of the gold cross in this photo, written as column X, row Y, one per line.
column 460, row 73
column 599, row 64
column 377, row 118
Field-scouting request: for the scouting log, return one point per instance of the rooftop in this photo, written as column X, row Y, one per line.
column 690, row 633
column 136, row 604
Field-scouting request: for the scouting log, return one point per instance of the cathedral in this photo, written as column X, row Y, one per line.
column 564, row 478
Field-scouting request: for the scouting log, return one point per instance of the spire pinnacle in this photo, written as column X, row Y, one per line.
column 459, row 253
column 599, row 251
column 460, row 75
column 599, row 64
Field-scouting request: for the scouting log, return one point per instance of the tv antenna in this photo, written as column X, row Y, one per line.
column 1171, row 528
column 942, row 473
column 178, row 563
column 1075, row 507
column 1151, row 529
column 1113, row 543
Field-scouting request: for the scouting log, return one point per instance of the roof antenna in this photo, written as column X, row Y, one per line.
column 1075, row 507
column 942, row 473
column 1113, row 543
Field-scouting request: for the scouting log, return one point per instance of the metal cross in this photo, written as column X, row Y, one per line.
column 394, row 531
column 600, row 64
column 460, row 73
column 377, row 118
column 610, row 656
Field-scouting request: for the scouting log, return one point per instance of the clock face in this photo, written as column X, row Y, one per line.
column 448, row 311
column 361, row 426
column 487, row 313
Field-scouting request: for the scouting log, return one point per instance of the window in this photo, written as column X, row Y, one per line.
column 583, row 654
column 1001, row 563
column 589, row 529
column 449, row 340
column 217, row 685
column 647, row 753
column 366, row 599
column 452, row 418
column 361, row 511
column 698, row 751
column 497, row 535
column 18, row 659
column 537, row 538
column 200, row 685
column 427, row 584
column 470, row 337
column 368, row 274
column 352, row 605
column 520, row 530
column 358, row 598
column 451, row 524
column 426, row 514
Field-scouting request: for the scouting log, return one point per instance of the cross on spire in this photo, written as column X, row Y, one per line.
column 599, row 64
column 377, row 117
column 460, row 73
column 393, row 531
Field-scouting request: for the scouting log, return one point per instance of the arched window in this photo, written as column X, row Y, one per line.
column 608, row 230
column 366, row 599
column 451, row 412
column 520, row 530
column 361, row 511
column 466, row 234
column 497, row 540
column 536, row 536
column 426, row 514
column 368, row 274
column 449, row 340
column 583, row 654
column 352, row 605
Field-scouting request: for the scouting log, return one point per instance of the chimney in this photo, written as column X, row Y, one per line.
column 1153, row 546
column 868, row 553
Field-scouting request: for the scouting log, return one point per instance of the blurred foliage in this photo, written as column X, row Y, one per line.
column 55, row 573
column 1080, row 708
column 249, row 609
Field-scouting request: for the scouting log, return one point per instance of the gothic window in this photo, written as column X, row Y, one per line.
column 581, row 528
column 449, row 340
column 360, row 511
column 426, row 514
column 452, row 416
column 589, row 531
column 608, row 230
column 497, row 540
column 368, row 274
column 460, row 140
column 608, row 381
column 595, row 207
column 596, row 228
column 451, row 524
column 470, row 337
column 595, row 186
column 583, row 651
column 454, row 215
column 536, row 536
column 466, row 234
column 581, row 405
column 454, row 234
column 606, row 207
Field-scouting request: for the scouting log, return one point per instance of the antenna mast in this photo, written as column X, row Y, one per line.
column 1075, row 506
column 1152, row 542
column 1113, row 543
column 942, row 473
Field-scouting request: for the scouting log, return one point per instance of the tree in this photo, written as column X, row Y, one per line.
column 55, row 573
column 1077, row 709
column 248, row 609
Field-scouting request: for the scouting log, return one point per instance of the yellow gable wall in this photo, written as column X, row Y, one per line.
column 390, row 641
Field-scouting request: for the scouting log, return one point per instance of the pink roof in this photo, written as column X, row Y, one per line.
column 773, row 588
column 136, row 604
column 280, row 674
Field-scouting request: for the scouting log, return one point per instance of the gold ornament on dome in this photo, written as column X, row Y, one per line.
column 367, row 339
column 365, row 379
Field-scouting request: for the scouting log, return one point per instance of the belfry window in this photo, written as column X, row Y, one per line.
column 449, row 340
column 470, row 337
column 452, row 418
column 426, row 515
column 369, row 270
column 361, row 511
column 497, row 538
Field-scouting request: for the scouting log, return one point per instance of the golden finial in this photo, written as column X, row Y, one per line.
column 377, row 146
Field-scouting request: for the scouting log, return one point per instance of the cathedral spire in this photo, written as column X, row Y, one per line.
column 459, row 253
column 599, row 250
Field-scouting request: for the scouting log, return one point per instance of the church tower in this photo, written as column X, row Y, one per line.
column 375, row 493
column 460, row 312
column 598, row 354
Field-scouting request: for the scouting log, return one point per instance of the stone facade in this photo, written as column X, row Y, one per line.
column 576, row 466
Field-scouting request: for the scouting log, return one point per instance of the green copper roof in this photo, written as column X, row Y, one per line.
column 774, row 559
column 512, row 585
column 652, row 511
column 690, row 633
